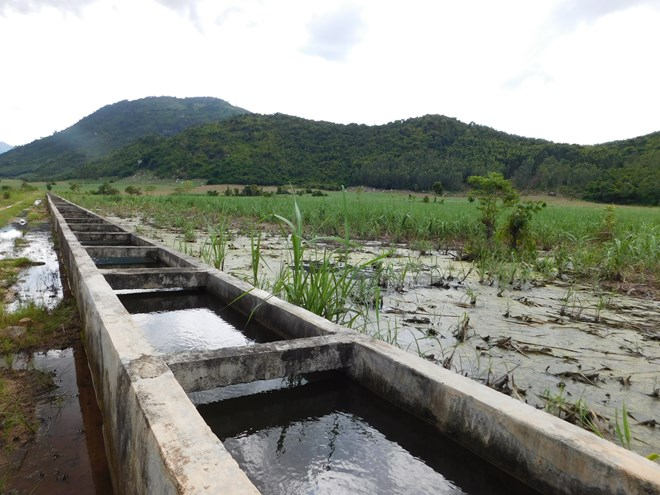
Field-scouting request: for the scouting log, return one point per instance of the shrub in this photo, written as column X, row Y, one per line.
column 133, row 190
column 106, row 189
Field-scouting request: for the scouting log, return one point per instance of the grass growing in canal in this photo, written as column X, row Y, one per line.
column 18, row 391
column 9, row 272
column 13, row 200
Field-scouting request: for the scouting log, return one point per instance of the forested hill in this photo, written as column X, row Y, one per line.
column 409, row 154
column 109, row 129
column 5, row 147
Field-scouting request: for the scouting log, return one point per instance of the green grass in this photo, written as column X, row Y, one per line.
column 319, row 282
column 14, row 199
column 587, row 240
column 45, row 329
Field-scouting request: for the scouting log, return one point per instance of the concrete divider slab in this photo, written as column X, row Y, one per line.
column 155, row 278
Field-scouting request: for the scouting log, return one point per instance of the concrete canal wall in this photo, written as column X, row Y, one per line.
column 158, row 443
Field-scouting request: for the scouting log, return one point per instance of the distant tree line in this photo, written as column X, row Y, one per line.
column 411, row 154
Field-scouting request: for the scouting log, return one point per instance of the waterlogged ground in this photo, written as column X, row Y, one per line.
column 62, row 450
column 580, row 351
column 67, row 453
column 40, row 283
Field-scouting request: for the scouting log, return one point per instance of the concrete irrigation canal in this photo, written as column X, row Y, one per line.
column 208, row 385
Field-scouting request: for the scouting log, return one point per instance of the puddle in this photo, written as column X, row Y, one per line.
column 68, row 453
column 8, row 234
column 327, row 434
column 40, row 283
column 191, row 320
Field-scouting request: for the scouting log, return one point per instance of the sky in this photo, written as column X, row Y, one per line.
column 573, row 71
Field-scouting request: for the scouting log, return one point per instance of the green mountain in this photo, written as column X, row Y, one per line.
column 407, row 154
column 109, row 129
column 4, row 147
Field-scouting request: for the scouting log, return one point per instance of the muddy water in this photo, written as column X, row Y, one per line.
column 191, row 320
column 326, row 434
column 68, row 453
column 573, row 343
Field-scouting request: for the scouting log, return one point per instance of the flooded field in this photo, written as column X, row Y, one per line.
column 41, row 282
column 580, row 352
column 66, row 453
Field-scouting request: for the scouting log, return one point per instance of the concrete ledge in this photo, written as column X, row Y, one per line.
column 105, row 238
column 81, row 220
column 197, row 371
column 551, row 454
column 155, row 278
column 156, row 440
column 94, row 227
column 122, row 251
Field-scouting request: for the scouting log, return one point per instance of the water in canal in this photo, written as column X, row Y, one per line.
column 325, row 434
column 192, row 320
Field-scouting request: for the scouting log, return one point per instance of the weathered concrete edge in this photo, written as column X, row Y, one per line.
column 155, row 439
column 530, row 444
column 205, row 370
column 556, row 456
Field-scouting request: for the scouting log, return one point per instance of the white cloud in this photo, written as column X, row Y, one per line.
column 332, row 35
column 30, row 6
column 568, row 71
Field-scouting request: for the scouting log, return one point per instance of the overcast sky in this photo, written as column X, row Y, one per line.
column 576, row 71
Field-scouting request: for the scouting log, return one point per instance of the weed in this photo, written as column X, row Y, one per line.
column 189, row 233
column 214, row 249
column 318, row 284
column 608, row 224
column 471, row 295
column 255, row 254
column 462, row 327
column 622, row 430
column 577, row 413
column 623, row 434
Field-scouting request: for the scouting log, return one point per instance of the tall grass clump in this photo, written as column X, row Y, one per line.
column 214, row 249
column 317, row 281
